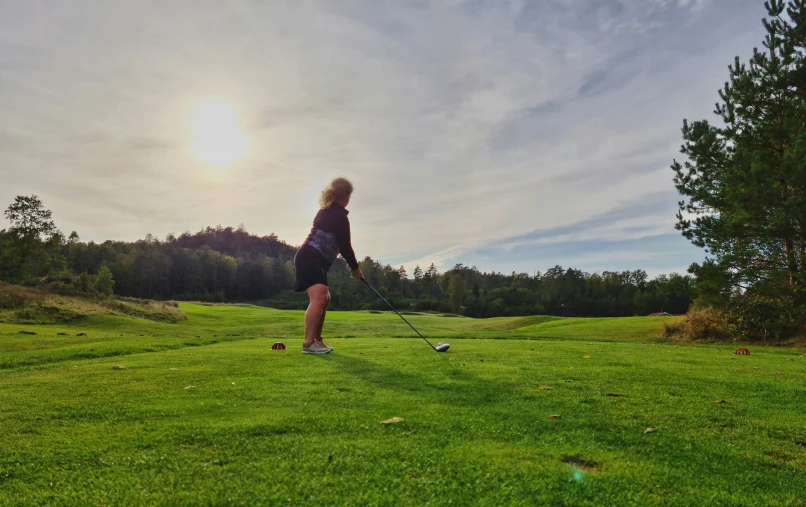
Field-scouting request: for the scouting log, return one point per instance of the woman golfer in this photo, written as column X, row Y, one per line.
column 329, row 237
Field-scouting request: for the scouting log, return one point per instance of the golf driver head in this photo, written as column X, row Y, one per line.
column 442, row 347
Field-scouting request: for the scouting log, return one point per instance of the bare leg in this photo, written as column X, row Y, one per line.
column 315, row 314
column 322, row 321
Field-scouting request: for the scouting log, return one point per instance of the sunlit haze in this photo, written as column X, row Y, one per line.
column 217, row 137
column 509, row 135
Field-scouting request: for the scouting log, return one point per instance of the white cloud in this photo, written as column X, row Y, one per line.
column 461, row 123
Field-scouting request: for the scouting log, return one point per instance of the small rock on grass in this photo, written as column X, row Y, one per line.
column 27, row 332
column 81, row 334
column 62, row 334
column 651, row 430
column 394, row 420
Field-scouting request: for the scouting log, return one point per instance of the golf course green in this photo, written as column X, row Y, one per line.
column 519, row 411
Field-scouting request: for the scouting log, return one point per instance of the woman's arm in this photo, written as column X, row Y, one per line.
column 345, row 245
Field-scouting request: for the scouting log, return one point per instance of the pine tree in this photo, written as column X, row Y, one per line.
column 432, row 276
column 457, row 290
column 401, row 271
column 104, row 282
column 744, row 182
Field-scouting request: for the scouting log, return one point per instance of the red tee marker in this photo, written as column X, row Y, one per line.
column 278, row 346
column 741, row 352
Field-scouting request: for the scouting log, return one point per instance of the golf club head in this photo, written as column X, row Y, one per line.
column 442, row 347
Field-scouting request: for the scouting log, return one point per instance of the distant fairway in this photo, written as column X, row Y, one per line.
column 265, row 427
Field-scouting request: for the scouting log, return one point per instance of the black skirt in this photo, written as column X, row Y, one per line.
column 310, row 268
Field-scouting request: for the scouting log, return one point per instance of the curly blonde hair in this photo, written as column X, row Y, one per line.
column 337, row 190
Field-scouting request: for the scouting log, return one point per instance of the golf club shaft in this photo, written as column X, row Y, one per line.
column 398, row 313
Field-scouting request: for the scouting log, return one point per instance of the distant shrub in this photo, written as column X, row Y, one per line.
column 43, row 306
column 104, row 282
column 426, row 303
column 708, row 324
column 757, row 317
column 747, row 317
column 12, row 296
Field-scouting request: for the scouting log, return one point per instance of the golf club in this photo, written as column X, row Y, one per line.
column 441, row 347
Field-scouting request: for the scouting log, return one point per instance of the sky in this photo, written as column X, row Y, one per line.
column 509, row 135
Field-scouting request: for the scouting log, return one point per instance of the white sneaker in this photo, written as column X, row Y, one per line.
column 321, row 343
column 315, row 348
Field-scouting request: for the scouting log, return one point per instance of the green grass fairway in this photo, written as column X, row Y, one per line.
column 261, row 427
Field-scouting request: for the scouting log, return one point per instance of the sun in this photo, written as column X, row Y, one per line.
column 217, row 137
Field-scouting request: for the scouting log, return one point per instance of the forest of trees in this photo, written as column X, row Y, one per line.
column 224, row 264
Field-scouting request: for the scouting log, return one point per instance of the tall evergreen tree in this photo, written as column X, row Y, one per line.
column 744, row 181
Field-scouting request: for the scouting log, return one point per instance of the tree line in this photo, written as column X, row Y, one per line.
column 224, row 264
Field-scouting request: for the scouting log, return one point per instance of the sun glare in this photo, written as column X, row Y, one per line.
column 217, row 137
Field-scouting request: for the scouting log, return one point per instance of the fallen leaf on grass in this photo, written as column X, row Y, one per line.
column 720, row 401
column 555, row 416
column 779, row 373
column 452, row 359
column 394, row 420
column 337, row 342
column 174, row 369
column 587, row 357
column 755, row 367
column 188, row 388
column 545, row 388
column 651, row 430
column 119, row 367
column 571, row 368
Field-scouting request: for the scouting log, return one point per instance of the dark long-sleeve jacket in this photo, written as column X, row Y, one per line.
column 330, row 235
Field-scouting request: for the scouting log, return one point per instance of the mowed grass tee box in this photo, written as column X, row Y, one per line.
column 519, row 411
